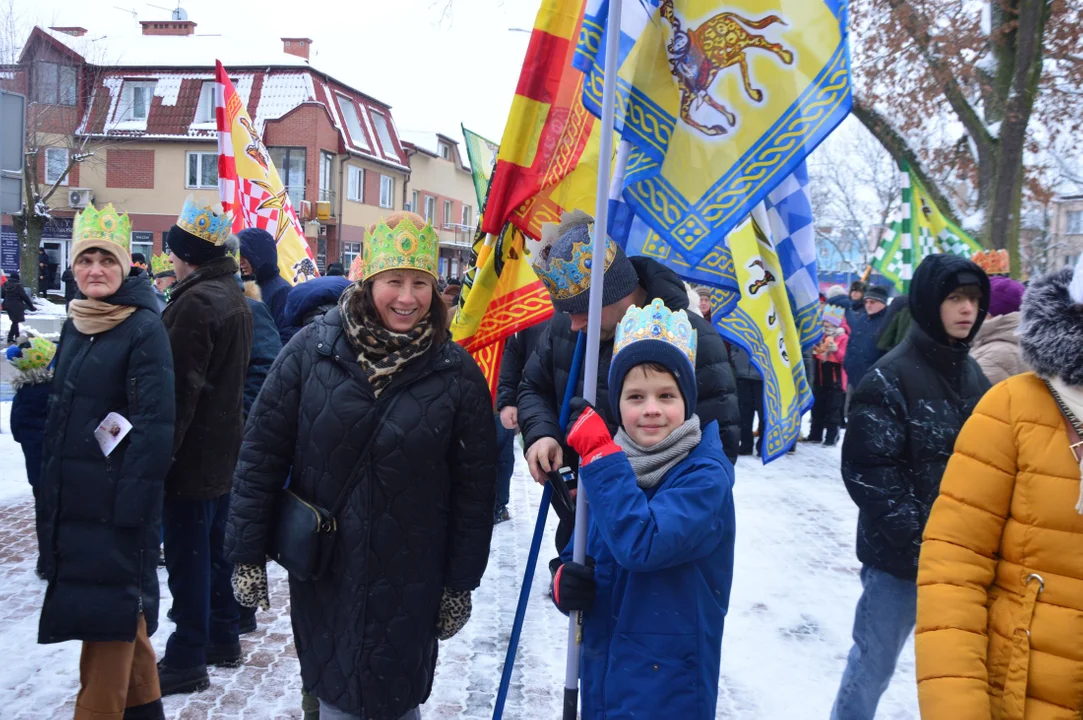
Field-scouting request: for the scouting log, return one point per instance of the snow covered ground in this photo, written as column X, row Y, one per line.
column 787, row 635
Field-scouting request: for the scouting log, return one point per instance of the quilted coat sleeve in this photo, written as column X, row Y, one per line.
column 538, row 411
column 958, row 562
column 151, row 400
column 681, row 523
column 473, row 482
column 872, row 458
column 270, row 437
column 511, row 373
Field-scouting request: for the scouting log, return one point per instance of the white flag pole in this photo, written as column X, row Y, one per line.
column 594, row 316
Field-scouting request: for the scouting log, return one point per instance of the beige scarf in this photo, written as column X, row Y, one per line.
column 94, row 316
column 1072, row 397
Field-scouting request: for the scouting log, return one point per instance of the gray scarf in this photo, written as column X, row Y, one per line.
column 651, row 464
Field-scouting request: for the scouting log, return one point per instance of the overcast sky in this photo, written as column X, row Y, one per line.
column 435, row 71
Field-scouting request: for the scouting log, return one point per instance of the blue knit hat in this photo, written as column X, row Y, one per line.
column 655, row 334
column 563, row 262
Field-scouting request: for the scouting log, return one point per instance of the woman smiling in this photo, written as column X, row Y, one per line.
column 376, row 416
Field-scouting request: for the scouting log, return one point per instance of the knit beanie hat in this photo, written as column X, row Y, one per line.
column 835, row 291
column 655, row 334
column 857, row 286
column 877, row 292
column 105, row 230
column 562, row 261
column 200, row 233
column 1005, row 295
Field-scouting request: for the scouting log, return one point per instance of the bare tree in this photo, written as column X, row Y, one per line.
column 1002, row 67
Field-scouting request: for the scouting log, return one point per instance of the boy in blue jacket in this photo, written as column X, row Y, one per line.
column 656, row 585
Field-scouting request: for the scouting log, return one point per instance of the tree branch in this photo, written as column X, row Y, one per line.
column 900, row 150
column 917, row 28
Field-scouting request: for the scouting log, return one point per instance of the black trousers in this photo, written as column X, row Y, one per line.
column 826, row 411
column 749, row 402
column 13, row 332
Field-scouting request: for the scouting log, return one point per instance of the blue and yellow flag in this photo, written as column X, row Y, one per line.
column 763, row 324
column 720, row 102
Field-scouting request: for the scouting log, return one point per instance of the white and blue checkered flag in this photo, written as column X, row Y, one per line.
column 789, row 213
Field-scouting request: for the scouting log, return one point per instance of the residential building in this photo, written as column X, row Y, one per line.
column 441, row 190
column 142, row 107
column 1067, row 227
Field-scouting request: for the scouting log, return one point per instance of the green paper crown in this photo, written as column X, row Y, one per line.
column 403, row 247
column 105, row 225
column 32, row 353
column 160, row 264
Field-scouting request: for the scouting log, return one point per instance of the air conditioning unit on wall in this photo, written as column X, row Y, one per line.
column 80, row 197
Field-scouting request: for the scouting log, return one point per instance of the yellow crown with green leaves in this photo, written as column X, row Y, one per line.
column 105, row 225
column 161, row 264
column 32, row 353
column 412, row 244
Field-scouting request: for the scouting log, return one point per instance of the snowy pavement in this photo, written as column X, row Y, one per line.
column 787, row 635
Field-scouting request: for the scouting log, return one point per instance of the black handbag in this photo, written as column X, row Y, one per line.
column 304, row 533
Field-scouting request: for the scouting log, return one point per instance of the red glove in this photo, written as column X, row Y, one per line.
column 589, row 436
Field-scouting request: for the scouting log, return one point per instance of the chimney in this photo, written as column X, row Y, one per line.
column 73, row 31
column 168, row 27
column 297, row 46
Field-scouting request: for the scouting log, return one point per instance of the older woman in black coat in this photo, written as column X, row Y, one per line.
column 100, row 497
column 412, row 539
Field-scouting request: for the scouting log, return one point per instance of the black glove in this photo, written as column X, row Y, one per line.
column 574, row 587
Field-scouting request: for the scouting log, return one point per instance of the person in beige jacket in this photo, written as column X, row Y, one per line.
column 996, row 346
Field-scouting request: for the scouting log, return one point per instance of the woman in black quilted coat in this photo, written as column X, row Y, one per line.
column 412, row 540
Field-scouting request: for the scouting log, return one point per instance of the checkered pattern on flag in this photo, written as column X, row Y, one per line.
column 250, row 187
column 789, row 215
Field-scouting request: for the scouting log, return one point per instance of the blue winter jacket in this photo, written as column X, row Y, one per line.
column 652, row 644
column 29, row 409
column 861, row 351
column 265, row 346
column 309, row 296
column 259, row 249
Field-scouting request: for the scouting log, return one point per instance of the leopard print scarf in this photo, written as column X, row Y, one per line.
column 380, row 352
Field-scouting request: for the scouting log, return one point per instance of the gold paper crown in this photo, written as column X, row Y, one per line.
column 993, row 262
column 411, row 244
column 657, row 322
column 160, row 264
column 105, row 225
column 205, row 221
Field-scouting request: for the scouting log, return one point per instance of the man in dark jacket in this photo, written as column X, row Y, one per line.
column 628, row 281
column 904, row 419
column 16, row 302
column 749, row 396
column 44, row 261
column 862, row 352
column 259, row 262
column 70, row 288
column 210, row 330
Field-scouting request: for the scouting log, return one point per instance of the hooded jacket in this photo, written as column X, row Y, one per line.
column 996, row 348
column 99, row 518
column 863, row 352
column 16, row 300
column 904, row 418
column 259, row 249
column 308, row 299
column 546, row 375
column 1000, row 583
column 265, row 345
column 210, row 331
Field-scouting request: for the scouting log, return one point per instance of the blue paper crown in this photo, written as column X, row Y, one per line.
column 834, row 314
column 566, row 278
column 657, row 322
column 200, row 219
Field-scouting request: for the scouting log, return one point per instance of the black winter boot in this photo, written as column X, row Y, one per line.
column 832, row 437
column 150, row 711
column 228, row 656
column 815, row 434
column 182, row 681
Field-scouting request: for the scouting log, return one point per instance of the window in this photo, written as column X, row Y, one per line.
column 54, row 84
column 413, row 202
column 1075, row 222
column 430, row 210
column 467, row 215
column 56, row 162
column 326, row 191
column 205, row 109
column 445, row 151
column 384, row 133
column 353, row 122
column 202, row 170
column 447, row 212
column 135, row 101
column 387, row 191
column 349, row 252
column 355, row 187
column 290, row 163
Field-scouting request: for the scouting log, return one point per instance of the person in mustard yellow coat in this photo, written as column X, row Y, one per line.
column 1000, row 577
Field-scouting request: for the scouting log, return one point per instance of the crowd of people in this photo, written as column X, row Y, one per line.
column 202, row 406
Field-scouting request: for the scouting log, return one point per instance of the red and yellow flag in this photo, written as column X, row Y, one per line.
column 548, row 128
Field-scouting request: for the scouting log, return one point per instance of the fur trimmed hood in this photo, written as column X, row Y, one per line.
column 36, row 376
column 1051, row 329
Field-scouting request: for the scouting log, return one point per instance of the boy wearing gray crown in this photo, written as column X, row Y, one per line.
column 655, row 588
